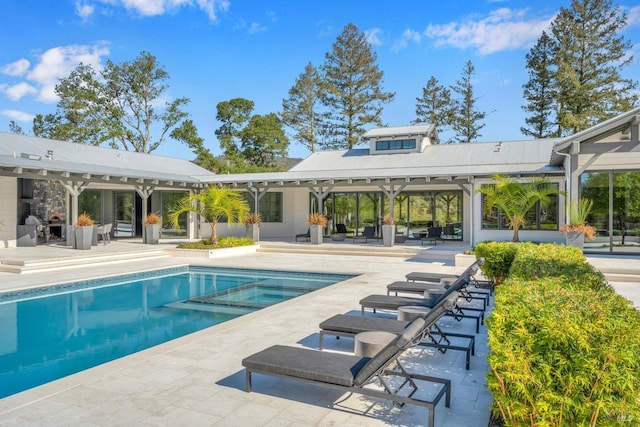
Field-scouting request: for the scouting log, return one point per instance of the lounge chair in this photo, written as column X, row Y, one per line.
column 484, row 287
column 433, row 235
column 343, row 325
column 388, row 302
column 342, row 229
column 351, row 374
column 369, row 232
column 306, row 235
column 435, row 287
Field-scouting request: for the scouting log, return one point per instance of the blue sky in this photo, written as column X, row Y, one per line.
column 216, row 50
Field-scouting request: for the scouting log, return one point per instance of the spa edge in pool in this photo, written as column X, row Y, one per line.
column 54, row 331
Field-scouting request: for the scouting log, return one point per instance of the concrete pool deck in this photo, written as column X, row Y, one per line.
column 198, row 379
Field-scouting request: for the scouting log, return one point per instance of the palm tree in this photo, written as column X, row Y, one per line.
column 515, row 198
column 213, row 204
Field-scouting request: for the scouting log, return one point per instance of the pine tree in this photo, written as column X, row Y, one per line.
column 435, row 106
column 467, row 119
column 352, row 89
column 589, row 58
column 234, row 115
column 540, row 91
column 300, row 109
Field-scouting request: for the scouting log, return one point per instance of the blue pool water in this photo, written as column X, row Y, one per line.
column 48, row 333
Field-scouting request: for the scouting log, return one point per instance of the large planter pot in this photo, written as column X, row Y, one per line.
column 315, row 234
column 575, row 239
column 152, row 234
column 388, row 234
column 253, row 232
column 83, row 237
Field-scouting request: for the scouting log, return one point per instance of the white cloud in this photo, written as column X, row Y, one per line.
column 373, row 36
column 256, row 28
column 18, row 91
column 408, row 35
column 56, row 63
column 503, row 29
column 633, row 16
column 17, row 68
column 84, row 10
column 17, row 115
column 160, row 7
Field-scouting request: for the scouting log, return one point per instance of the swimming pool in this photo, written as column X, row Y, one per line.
column 51, row 332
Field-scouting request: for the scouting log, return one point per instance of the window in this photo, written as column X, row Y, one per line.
column 169, row 200
column 90, row 201
column 269, row 207
column 538, row 217
column 396, row 144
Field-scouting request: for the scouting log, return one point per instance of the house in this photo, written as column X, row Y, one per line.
column 405, row 171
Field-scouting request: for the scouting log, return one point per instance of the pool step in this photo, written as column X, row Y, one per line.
column 341, row 249
column 84, row 260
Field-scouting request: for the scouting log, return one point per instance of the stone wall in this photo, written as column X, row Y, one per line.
column 50, row 197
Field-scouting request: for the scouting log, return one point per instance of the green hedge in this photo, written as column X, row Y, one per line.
column 565, row 349
column 498, row 257
column 552, row 260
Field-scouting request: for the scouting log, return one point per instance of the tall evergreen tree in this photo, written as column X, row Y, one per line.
column 590, row 55
column 467, row 120
column 300, row 109
column 435, row 106
column 352, row 89
column 540, row 91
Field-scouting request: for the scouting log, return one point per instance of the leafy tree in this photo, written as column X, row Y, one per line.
column 233, row 114
column 188, row 134
column 467, row 119
column 14, row 127
column 263, row 140
column 299, row 110
column 515, row 198
column 589, row 59
column 435, row 106
column 116, row 106
column 213, row 204
column 540, row 91
column 352, row 89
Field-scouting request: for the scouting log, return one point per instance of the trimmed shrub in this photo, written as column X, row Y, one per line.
column 223, row 242
column 560, row 357
column 498, row 257
column 552, row 260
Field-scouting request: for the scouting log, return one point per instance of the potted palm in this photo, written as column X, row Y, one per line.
column 152, row 224
column 317, row 223
column 83, row 231
column 576, row 230
column 252, row 221
column 388, row 230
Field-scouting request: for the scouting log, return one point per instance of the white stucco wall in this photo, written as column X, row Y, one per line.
column 8, row 209
column 294, row 221
column 480, row 235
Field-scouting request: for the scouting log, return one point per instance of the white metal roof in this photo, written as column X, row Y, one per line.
column 26, row 155
column 391, row 131
column 445, row 161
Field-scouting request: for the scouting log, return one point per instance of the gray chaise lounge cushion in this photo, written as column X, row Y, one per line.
column 332, row 368
column 356, row 324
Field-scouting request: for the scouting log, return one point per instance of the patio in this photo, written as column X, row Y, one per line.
column 198, row 379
